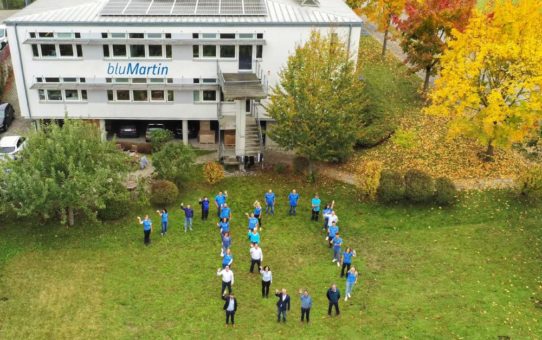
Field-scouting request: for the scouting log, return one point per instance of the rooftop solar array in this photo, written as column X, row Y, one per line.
column 185, row 8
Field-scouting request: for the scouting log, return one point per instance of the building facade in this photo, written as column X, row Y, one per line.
column 207, row 66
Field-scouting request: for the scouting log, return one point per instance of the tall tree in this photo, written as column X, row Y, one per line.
column 174, row 162
column 491, row 78
column 63, row 171
column 383, row 13
column 319, row 102
column 425, row 29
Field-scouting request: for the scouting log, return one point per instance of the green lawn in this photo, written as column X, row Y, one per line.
column 472, row 271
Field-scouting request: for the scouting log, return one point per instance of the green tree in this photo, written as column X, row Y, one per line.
column 174, row 162
column 63, row 171
column 159, row 138
column 319, row 103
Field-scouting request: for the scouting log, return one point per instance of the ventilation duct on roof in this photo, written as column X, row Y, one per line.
column 311, row 3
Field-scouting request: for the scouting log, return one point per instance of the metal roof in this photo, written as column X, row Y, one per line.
column 279, row 12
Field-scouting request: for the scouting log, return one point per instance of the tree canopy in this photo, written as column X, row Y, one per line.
column 383, row 13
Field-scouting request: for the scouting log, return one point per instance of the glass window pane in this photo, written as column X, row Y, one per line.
column 106, row 51
column 55, row 95
column 169, row 54
column 196, row 96
column 110, row 95
column 136, row 35
column 41, row 94
column 123, row 95
column 259, row 51
column 195, row 51
column 259, row 35
column 227, row 51
column 71, row 94
column 119, row 50
column 208, row 35
column 52, row 80
column 104, row 35
column 155, row 50
column 209, row 51
column 121, row 80
column 209, row 80
column 79, row 50
column 168, row 35
column 69, row 80
column 32, row 35
column 77, row 35
column 209, row 96
column 246, row 35
column 170, row 96
column 137, row 51
column 35, row 51
column 227, row 36
column 154, row 35
column 157, row 95
column 65, row 35
column 156, row 80
column 139, row 80
column 48, row 50
column 82, row 80
column 118, row 35
column 65, row 50
column 140, row 95
column 46, row 35
column 84, row 94
column 195, row 35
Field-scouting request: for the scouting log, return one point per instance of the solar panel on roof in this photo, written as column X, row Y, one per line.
column 184, row 8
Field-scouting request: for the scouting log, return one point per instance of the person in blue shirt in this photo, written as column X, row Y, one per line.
column 258, row 212
column 337, row 243
column 204, row 208
column 164, row 217
column 226, row 243
column 220, row 199
column 351, row 280
column 293, row 197
column 227, row 260
column 147, row 229
column 270, row 202
column 254, row 237
column 224, row 226
column 332, row 230
column 327, row 214
column 306, row 304
column 347, row 260
column 225, row 212
column 252, row 221
column 188, row 216
column 315, row 203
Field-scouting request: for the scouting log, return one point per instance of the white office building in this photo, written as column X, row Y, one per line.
column 205, row 66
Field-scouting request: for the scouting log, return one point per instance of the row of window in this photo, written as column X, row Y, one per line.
column 57, row 51
column 108, row 35
column 62, row 95
column 123, row 80
column 137, row 51
column 140, row 96
column 224, row 51
column 60, row 80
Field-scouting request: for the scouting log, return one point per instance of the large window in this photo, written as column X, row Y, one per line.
column 155, row 50
column 71, row 94
column 62, row 95
column 65, row 50
column 119, row 51
column 48, row 50
column 137, row 51
column 227, row 51
column 57, row 50
column 54, row 95
column 140, row 96
column 209, row 51
column 204, row 96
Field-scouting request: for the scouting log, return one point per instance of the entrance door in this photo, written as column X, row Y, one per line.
column 245, row 57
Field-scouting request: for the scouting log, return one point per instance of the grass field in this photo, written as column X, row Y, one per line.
column 472, row 271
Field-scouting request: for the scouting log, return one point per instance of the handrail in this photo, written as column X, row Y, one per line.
column 256, row 116
column 219, row 113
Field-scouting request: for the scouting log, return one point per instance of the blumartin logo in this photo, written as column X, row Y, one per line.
column 137, row 69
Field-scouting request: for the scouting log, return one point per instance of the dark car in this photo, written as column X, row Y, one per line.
column 7, row 115
column 153, row 127
column 128, row 131
column 192, row 131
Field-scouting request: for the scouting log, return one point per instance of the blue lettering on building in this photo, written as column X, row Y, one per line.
column 137, row 69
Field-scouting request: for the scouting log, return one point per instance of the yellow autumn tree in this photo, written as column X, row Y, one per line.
column 491, row 79
column 382, row 13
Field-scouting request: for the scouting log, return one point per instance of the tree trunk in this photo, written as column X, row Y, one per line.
column 385, row 43
column 427, row 77
column 490, row 149
column 487, row 156
column 71, row 217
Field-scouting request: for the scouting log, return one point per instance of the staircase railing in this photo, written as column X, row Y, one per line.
column 255, row 114
column 219, row 113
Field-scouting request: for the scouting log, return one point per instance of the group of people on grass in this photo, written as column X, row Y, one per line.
column 343, row 259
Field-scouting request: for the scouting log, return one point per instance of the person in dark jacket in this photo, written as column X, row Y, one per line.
column 188, row 217
column 333, row 296
column 204, row 208
column 230, row 307
column 283, row 304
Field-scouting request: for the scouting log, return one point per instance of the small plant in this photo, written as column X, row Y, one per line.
column 530, row 184
column 406, row 139
column 163, row 192
column 159, row 138
column 419, row 186
column 368, row 178
column 391, row 187
column 280, row 168
column 213, row 172
column 445, row 191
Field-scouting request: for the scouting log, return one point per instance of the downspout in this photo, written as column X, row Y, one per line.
column 23, row 73
column 349, row 39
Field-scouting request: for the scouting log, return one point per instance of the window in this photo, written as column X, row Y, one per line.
column 156, row 80
column 195, row 35
column 137, row 51
column 139, row 81
column 52, row 80
column 247, row 105
column 122, row 80
column 209, row 80
column 108, row 80
column 123, row 95
column 65, row 50
column 77, row 35
column 79, row 49
column 104, row 35
column 195, row 51
column 196, row 80
column 106, row 51
column 140, row 95
column 168, row 51
column 209, row 51
column 84, row 95
column 246, row 36
column 209, row 96
column 35, row 51
column 54, row 95
column 155, row 50
column 154, row 35
column 157, row 95
column 227, row 51
column 227, row 36
column 71, row 94
column 170, row 96
column 69, row 80
column 259, row 51
column 119, row 50
column 32, row 35
column 196, row 96
column 41, row 94
column 82, row 80
column 39, row 80
column 118, row 35
column 168, row 35
column 110, row 95
column 259, row 35
column 208, row 35
column 136, row 35
column 48, row 50
column 170, row 80
column 65, row 35
column 46, row 34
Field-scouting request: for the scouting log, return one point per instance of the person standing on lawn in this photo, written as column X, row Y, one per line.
column 147, row 229
column 347, row 260
column 226, row 243
column 220, row 199
column 331, row 232
column 315, row 203
column 188, row 216
column 270, row 202
column 332, row 218
column 230, row 307
column 327, row 214
column 333, row 295
column 225, row 212
column 164, row 217
column 258, row 213
column 252, row 221
column 267, row 278
column 293, row 197
column 283, row 304
column 337, row 244
column 306, row 304
column 227, row 279
column 254, row 237
column 256, row 257
column 204, row 208
column 224, row 226
column 351, row 280
column 227, row 260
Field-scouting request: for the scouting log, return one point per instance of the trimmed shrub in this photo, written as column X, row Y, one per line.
column 213, row 172
column 368, row 178
column 115, row 207
column 391, row 187
column 419, row 186
column 445, row 191
column 301, row 165
column 530, row 184
column 163, row 192
column 159, row 138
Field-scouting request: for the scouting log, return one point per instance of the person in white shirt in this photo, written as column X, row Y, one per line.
column 227, row 279
column 256, row 257
column 267, row 278
column 332, row 218
column 230, row 307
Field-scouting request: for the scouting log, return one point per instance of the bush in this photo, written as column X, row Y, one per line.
column 530, row 184
column 280, row 168
column 391, row 187
column 174, row 162
column 301, row 165
column 368, row 178
column 445, row 191
column 159, row 138
column 213, row 172
column 419, row 186
column 115, row 207
column 163, row 192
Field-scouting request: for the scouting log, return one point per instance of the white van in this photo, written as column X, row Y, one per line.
column 3, row 36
